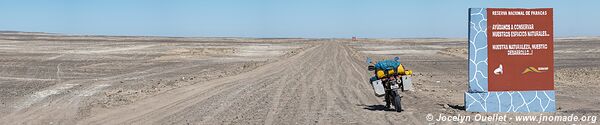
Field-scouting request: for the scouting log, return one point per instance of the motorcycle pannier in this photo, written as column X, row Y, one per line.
column 378, row 88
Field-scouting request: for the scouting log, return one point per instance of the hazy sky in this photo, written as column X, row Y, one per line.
column 278, row 18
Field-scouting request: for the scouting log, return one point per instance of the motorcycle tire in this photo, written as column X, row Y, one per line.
column 397, row 104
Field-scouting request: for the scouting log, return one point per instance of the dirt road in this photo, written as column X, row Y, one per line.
column 323, row 85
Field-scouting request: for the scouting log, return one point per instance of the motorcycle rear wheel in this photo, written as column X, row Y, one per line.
column 397, row 104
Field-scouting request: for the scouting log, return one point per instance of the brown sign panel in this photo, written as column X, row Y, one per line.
column 520, row 49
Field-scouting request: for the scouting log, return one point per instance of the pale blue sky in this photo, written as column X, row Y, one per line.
column 277, row 18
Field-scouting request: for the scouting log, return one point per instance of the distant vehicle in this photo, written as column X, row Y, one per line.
column 389, row 76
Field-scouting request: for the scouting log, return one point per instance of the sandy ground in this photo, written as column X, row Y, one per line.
column 54, row 79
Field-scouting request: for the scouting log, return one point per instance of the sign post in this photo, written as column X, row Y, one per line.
column 511, row 62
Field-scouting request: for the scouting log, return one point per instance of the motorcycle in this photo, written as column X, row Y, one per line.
column 390, row 77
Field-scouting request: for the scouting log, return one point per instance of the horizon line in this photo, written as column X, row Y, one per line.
column 105, row 35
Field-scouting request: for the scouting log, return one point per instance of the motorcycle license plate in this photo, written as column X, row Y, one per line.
column 395, row 86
